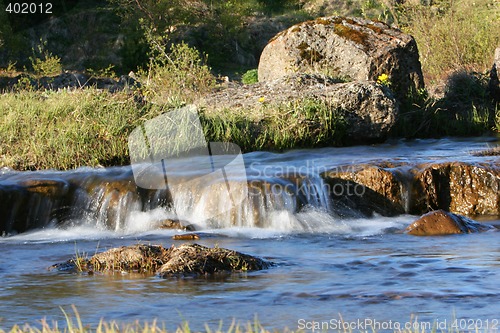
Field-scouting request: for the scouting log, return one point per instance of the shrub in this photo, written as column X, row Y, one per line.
column 44, row 63
column 250, row 77
column 178, row 74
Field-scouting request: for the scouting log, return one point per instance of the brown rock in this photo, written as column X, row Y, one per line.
column 440, row 222
column 369, row 189
column 176, row 224
column 46, row 187
column 462, row 188
column 186, row 237
column 349, row 48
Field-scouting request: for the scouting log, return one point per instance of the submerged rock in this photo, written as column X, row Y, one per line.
column 184, row 260
column 348, row 48
column 440, row 222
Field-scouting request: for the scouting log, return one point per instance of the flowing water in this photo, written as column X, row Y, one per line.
column 363, row 270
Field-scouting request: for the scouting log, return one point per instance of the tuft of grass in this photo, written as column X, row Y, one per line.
column 44, row 63
column 181, row 73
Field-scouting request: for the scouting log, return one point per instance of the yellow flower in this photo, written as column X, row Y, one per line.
column 384, row 80
column 262, row 99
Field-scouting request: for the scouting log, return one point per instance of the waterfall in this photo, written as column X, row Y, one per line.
column 109, row 199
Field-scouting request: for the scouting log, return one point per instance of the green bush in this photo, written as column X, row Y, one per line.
column 250, row 77
column 44, row 63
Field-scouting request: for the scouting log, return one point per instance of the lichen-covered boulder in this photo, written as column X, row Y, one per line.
column 440, row 222
column 347, row 48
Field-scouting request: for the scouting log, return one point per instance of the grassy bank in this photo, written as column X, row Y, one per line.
column 89, row 127
column 64, row 130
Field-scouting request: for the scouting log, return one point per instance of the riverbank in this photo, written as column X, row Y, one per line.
column 89, row 127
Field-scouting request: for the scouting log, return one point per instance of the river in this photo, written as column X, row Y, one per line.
column 330, row 270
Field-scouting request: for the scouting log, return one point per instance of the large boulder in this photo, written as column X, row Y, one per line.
column 347, row 48
column 494, row 84
column 440, row 222
column 368, row 109
column 391, row 189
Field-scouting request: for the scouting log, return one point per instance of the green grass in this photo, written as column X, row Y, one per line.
column 69, row 129
column 251, row 76
column 64, row 130
column 285, row 125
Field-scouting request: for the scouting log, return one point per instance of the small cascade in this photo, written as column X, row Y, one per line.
column 406, row 178
column 109, row 199
column 258, row 203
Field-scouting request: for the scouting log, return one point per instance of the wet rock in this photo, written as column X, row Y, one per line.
column 348, row 48
column 110, row 201
column 186, row 237
column 185, row 260
column 369, row 110
column 369, row 189
column 494, row 84
column 176, row 224
column 29, row 203
column 194, row 259
column 46, row 187
column 440, row 222
column 462, row 188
